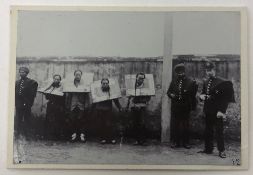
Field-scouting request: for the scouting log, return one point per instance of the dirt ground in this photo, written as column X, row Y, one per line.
column 92, row 152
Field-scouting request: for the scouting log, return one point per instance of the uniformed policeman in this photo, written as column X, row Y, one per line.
column 25, row 92
column 217, row 93
column 182, row 91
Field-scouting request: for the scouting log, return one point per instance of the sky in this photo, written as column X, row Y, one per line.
column 125, row 34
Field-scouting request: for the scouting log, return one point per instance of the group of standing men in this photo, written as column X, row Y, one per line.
column 67, row 112
column 217, row 93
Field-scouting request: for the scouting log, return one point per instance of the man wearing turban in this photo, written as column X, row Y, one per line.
column 25, row 92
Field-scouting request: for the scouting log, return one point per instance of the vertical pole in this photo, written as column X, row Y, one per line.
column 166, row 77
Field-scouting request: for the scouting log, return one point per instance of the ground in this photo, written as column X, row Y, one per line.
column 91, row 152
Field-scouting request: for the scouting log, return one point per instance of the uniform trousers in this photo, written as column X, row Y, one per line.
column 181, row 124
column 212, row 122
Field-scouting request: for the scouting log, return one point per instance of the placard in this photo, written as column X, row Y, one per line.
column 52, row 91
column 147, row 88
column 86, row 80
column 98, row 95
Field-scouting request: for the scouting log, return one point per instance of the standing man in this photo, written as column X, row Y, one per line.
column 25, row 92
column 105, row 114
column 138, row 105
column 55, row 109
column 217, row 93
column 182, row 91
column 77, row 103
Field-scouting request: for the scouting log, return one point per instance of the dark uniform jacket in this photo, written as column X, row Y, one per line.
column 25, row 92
column 220, row 92
column 185, row 94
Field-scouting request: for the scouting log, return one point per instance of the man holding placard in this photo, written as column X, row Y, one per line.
column 104, row 93
column 140, row 88
column 77, row 103
column 55, row 108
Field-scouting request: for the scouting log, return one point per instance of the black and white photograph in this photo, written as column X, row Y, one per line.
column 127, row 87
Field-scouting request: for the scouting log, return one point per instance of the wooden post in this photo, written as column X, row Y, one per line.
column 166, row 77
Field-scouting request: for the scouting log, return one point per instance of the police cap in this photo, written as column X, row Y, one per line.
column 179, row 68
column 209, row 65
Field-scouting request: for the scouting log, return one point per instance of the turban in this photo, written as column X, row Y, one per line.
column 25, row 69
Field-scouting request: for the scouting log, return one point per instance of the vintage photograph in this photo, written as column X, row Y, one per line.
column 129, row 87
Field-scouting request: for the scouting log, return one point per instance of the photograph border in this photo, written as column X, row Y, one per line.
column 244, row 86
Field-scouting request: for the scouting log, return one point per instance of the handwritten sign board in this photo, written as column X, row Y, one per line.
column 98, row 95
column 148, row 87
column 84, row 86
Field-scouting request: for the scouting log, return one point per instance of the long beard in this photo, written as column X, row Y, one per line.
column 138, row 84
column 106, row 89
column 56, row 85
column 77, row 80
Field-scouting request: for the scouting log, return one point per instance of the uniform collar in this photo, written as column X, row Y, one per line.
column 56, row 86
column 212, row 78
column 181, row 78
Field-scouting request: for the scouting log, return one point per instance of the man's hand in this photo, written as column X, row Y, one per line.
column 202, row 97
column 172, row 95
column 221, row 115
